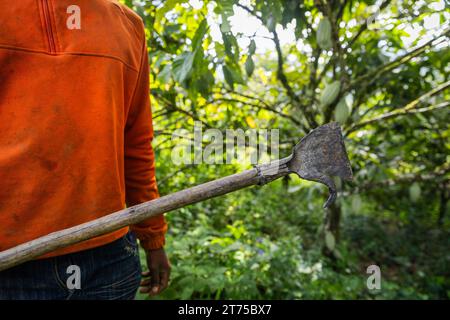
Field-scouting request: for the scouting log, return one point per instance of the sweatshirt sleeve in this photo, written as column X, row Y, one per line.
column 140, row 180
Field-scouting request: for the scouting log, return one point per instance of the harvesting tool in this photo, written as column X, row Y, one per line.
column 319, row 156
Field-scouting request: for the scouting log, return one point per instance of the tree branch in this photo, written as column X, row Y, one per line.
column 408, row 109
column 283, row 79
column 373, row 75
column 435, row 176
column 262, row 106
column 280, row 73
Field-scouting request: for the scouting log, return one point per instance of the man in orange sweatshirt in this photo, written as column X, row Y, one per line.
column 75, row 145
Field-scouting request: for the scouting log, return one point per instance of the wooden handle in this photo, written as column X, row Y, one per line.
column 129, row 216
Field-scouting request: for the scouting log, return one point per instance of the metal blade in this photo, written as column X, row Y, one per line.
column 320, row 156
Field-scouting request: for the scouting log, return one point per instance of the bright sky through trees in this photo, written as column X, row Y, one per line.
column 243, row 22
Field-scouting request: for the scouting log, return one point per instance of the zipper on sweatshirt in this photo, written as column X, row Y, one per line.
column 48, row 26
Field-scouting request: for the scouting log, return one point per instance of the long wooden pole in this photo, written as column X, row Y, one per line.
column 132, row 215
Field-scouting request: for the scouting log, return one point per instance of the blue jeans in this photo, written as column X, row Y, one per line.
column 109, row 272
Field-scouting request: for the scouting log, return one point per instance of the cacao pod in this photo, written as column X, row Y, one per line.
column 330, row 241
column 324, row 34
column 342, row 111
column 356, row 203
column 414, row 192
column 330, row 93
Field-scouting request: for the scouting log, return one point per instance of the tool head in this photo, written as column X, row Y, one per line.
column 320, row 156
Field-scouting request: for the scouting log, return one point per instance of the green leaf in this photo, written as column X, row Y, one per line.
column 187, row 292
column 225, row 26
column 224, row 7
column 199, row 35
column 235, row 72
column 182, row 66
column 249, row 66
column 228, row 76
column 227, row 44
column 164, row 74
column 252, row 47
column 205, row 82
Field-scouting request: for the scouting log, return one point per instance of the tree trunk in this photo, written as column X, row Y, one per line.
column 332, row 218
column 444, row 196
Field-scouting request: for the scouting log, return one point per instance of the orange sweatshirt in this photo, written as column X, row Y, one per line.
column 75, row 120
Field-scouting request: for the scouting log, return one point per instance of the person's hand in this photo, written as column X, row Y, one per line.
column 156, row 279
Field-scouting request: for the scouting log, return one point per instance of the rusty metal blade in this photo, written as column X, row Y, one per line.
column 320, row 156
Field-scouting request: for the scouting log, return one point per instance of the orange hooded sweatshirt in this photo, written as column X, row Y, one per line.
column 75, row 120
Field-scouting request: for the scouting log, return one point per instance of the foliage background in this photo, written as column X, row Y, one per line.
column 391, row 59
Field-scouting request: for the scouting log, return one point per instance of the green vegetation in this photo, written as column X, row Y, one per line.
column 381, row 69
